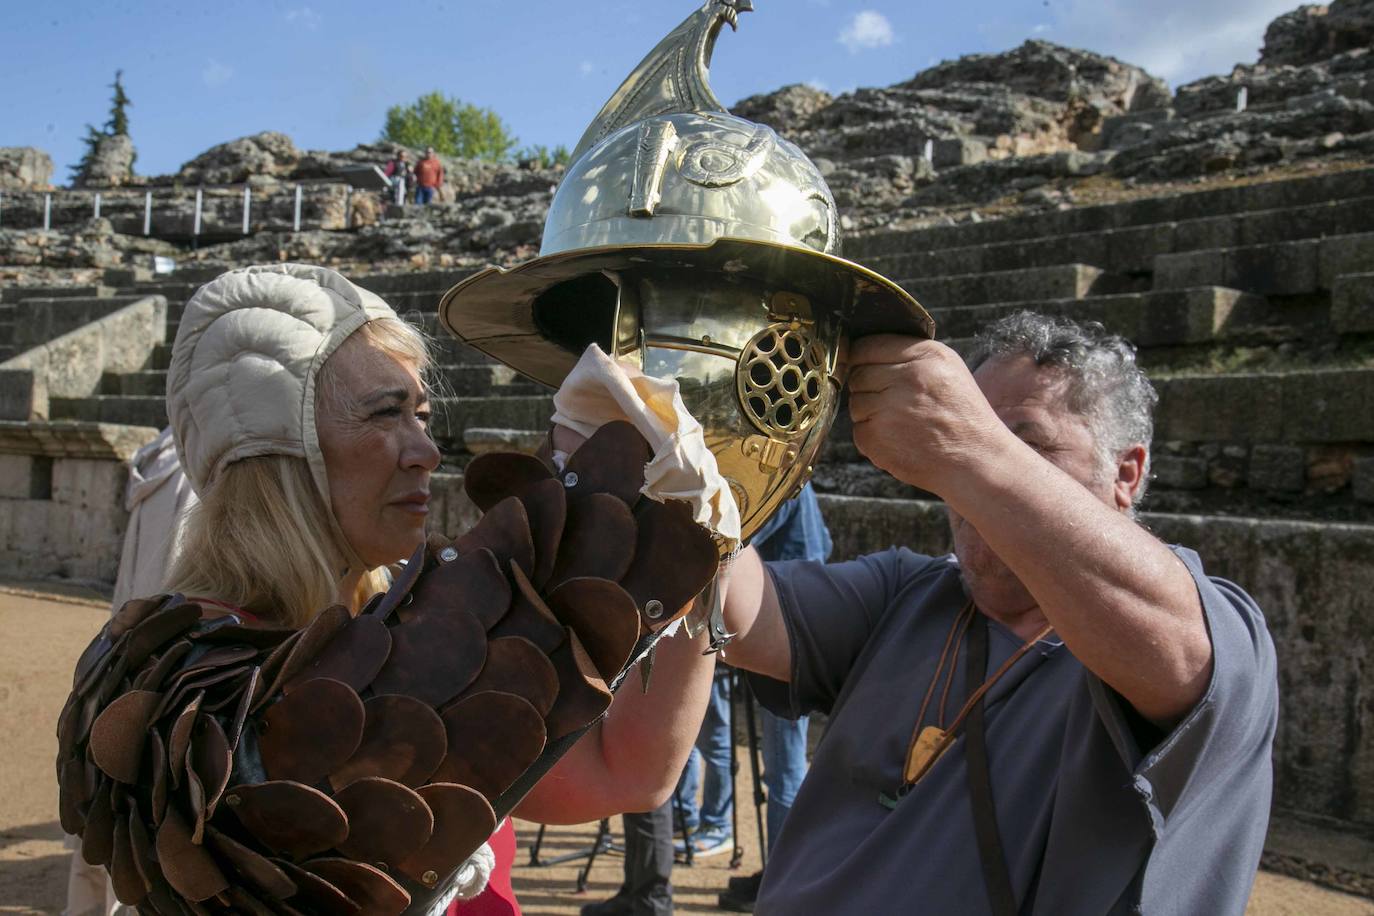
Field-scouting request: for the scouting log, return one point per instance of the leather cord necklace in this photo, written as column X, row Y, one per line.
column 930, row 742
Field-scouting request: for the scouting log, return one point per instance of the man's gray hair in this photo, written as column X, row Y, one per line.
column 1105, row 384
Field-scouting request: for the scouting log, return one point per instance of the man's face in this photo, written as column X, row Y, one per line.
column 1032, row 402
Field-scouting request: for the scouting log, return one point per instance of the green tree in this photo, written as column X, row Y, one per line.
column 451, row 126
column 543, row 157
column 116, row 126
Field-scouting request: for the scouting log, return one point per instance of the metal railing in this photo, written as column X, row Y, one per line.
column 366, row 179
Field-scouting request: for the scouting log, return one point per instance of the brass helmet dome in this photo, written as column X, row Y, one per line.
column 699, row 246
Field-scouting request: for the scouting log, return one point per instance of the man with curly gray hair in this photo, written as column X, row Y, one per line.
column 1064, row 716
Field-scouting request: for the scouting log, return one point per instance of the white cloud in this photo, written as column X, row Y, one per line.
column 586, row 68
column 868, row 29
column 304, row 16
column 216, row 74
column 1040, row 29
column 818, row 84
column 1179, row 40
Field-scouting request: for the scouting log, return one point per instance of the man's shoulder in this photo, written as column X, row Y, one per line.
column 908, row 565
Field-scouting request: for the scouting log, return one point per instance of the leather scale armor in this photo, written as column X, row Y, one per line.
column 352, row 766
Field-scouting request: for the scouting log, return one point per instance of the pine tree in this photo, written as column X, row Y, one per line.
column 116, row 126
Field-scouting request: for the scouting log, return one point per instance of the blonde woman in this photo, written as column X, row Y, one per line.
column 313, row 725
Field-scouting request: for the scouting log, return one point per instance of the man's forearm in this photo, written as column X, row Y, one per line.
column 1123, row 603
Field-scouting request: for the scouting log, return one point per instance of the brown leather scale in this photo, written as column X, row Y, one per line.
column 351, row 767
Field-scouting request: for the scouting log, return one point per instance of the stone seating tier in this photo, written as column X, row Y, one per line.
column 1132, row 249
column 1240, row 198
column 1252, row 305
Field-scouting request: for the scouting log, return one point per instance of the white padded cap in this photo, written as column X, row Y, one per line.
column 248, row 351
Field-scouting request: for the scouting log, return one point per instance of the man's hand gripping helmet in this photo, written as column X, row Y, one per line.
column 699, row 246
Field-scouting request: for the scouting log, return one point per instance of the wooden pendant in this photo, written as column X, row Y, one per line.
column 930, row 744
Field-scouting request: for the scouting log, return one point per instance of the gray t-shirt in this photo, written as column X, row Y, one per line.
column 1091, row 822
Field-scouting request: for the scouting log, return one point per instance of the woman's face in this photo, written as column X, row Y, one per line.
column 373, row 424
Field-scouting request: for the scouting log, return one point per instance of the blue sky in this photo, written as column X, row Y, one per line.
column 325, row 72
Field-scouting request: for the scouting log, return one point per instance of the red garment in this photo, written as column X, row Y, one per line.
column 499, row 897
column 429, row 173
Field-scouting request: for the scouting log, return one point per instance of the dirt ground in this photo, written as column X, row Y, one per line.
column 40, row 638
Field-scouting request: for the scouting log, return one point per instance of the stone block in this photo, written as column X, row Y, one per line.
column 1352, row 303
column 1362, row 479
column 29, row 528
column 1287, row 268
column 126, row 276
column 1328, row 406
column 16, row 476
column 861, row 525
column 1177, row 472
column 958, row 151
column 452, row 512
column 1133, row 250
column 1208, row 232
column 1344, row 254
column 1277, row 468
column 1189, row 268
column 1188, row 408
column 21, row 397
column 454, row 415
column 89, row 483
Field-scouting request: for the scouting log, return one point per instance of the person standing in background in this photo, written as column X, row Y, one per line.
column 401, row 174
column 429, row 177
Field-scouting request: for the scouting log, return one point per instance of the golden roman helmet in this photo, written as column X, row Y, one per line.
column 698, row 246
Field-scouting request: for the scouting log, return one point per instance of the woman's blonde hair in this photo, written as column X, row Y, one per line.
column 262, row 538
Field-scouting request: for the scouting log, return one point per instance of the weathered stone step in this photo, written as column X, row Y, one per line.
column 1166, row 317
column 1352, row 303
column 38, row 320
column 1310, row 407
column 1270, row 195
column 1063, row 281
column 1133, row 249
column 1280, row 268
column 18, row 293
column 128, row 410
column 449, row 381
column 420, row 281
column 454, row 415
column 149, row 383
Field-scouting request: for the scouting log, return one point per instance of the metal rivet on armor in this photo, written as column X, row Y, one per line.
column 653, row 609
column 570, row 479
column 429, row 878
column 448, row 554
column 233, row 801
column 405, row 602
